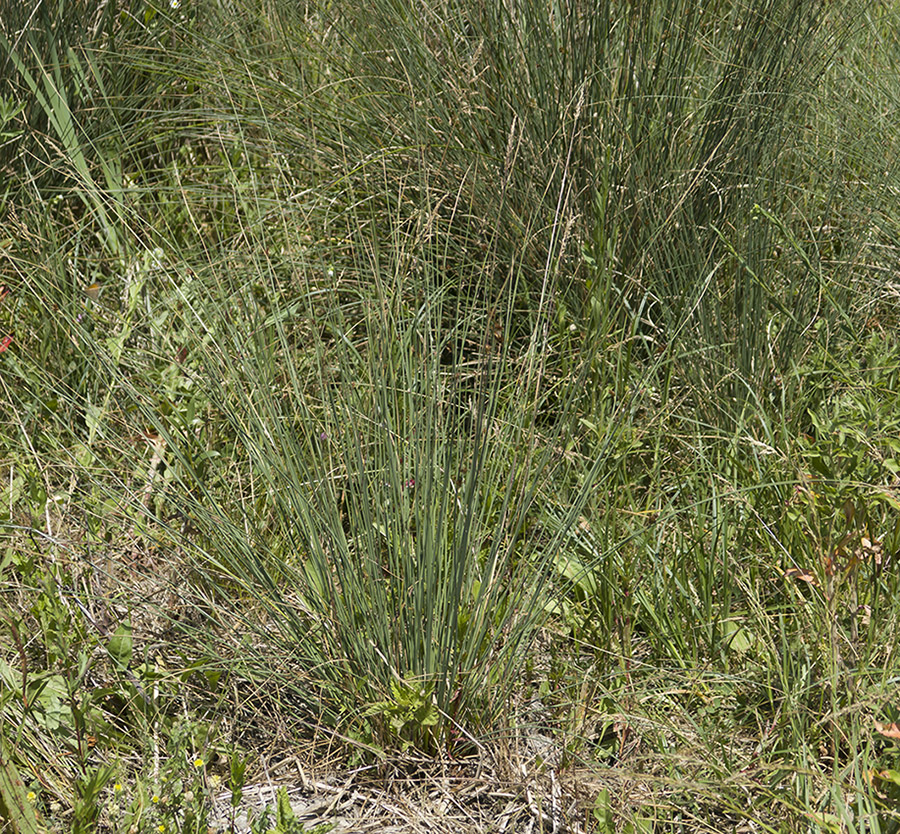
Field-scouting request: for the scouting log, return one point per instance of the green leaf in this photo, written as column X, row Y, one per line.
column 639, row 825
column 238, row 777
column 121, row 645
column 603, row 813
column 829, row 822
column 284, row 814
column 737, row 638
column 817, row 462
column 890, row 776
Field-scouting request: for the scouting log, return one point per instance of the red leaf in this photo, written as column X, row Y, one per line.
column 802, row 575
column 888, row 730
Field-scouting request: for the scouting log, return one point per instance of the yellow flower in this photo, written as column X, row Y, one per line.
column 155, row 799
column 198, row 763
column 31, row 796
column 117, row 787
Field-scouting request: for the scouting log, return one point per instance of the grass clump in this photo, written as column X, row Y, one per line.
column 451, row 381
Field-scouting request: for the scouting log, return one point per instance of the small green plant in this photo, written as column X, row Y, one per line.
column 411, row 714
column 87, row 807
column 283, row 820
column 9, row 110
column 175, row 798
column 605, row 818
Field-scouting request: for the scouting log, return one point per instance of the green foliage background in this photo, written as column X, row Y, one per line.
column 443, row 375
